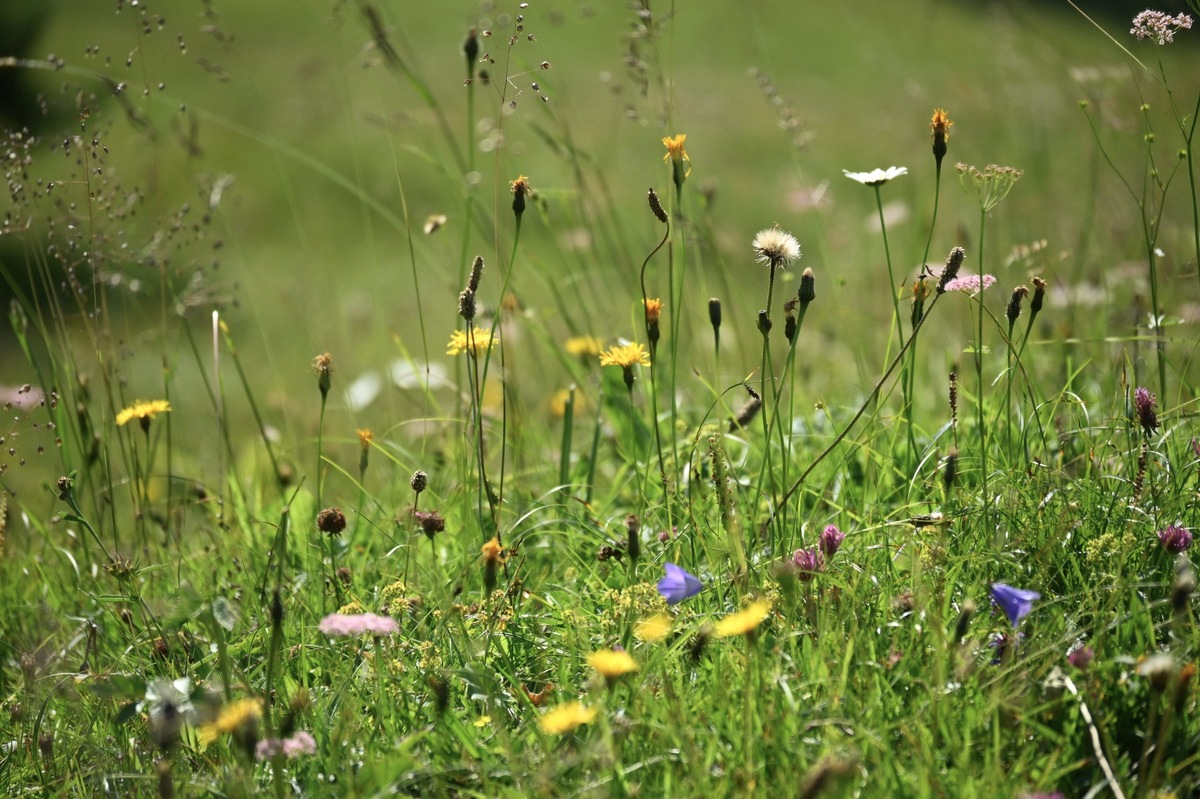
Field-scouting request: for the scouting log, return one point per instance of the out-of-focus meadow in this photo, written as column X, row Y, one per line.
column 663, row 501
column 313, row 163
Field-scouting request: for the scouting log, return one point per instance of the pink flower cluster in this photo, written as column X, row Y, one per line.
column 1159, row 26
column 302, row 743
column 971, row 284
column 357, row 624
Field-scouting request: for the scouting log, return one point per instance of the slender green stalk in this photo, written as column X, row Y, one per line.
column 978, row 348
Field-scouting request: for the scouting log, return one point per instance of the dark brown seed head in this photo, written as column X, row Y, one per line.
column 331, row 521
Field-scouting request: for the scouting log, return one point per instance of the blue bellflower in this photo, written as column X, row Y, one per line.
column 1015, row 602
column 678, row 585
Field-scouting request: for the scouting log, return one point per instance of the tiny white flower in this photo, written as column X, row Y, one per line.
column 876, row 177
column 777, row 247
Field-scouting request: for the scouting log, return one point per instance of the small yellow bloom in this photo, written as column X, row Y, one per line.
column 654, row 629
column 365, row 437
column 558, row 403
column 565, row 718
column 676, row 153
column 625, row 356
column 493, row 551
column 141, row 410
column 480, row 340
column 612, row 664
column 520, row 185
column 940, row 126
column 743, row 622
column 584, row 346
column 232, row 718
column 653, row 309
column 482, row 721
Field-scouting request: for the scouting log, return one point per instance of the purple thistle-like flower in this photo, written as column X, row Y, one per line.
column 1015, row 602
column 807, row 563
column 1144, row 403
column 1081, row 657
column 678, row 585
column 357, row 624
column 831, row 541
column 1175, row 539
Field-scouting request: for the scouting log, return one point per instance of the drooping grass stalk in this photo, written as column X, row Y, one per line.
column 867, row 403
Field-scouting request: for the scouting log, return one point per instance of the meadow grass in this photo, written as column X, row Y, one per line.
column 381, row 434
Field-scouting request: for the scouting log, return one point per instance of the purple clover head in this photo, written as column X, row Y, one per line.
column 1081, row 657
column 1144, row 403
column 807, row 563
column 1175, row 539
column 1015, row 602
column 678, row 585
column 831, row 541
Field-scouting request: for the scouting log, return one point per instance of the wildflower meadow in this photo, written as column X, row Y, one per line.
column 578, row 399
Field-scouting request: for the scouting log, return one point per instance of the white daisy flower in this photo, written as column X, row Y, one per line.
column 876, row 177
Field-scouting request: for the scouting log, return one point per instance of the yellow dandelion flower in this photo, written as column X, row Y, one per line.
column 653, row 309
column 744, row 621
column 143, row 411
column 676, row 154
column 234, row 717
column 558, row 403
column 612, row 664
column 480, row 340
column 565, row 718
column 940, row 125
column 365, row 437
column 625, row 355
column 482, row 721
column 493, row 551
column 584, row 346
column 654, row 629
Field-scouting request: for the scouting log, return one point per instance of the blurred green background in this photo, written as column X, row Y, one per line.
column 308, row 166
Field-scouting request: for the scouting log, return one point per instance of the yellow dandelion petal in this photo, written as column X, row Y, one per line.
column 493, row 550
column 565, row 718
column 743, row 622
column 612, row 664
column 676, row 151
column 479, row 340
column 232, row 718
column 625, row 355
column 143, row 410
column 654, row 629
column 584, row 346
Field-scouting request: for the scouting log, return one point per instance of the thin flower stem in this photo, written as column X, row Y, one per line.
column 905, row 387
column 654, row 373
column 983, row 443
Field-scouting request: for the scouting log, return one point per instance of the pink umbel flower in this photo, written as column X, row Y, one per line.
column 971, row 284
column 1159, row 26
column 357, row 624
column 302, row 743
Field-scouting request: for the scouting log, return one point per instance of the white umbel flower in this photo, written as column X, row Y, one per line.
column 776, row 247
column 876, row 177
